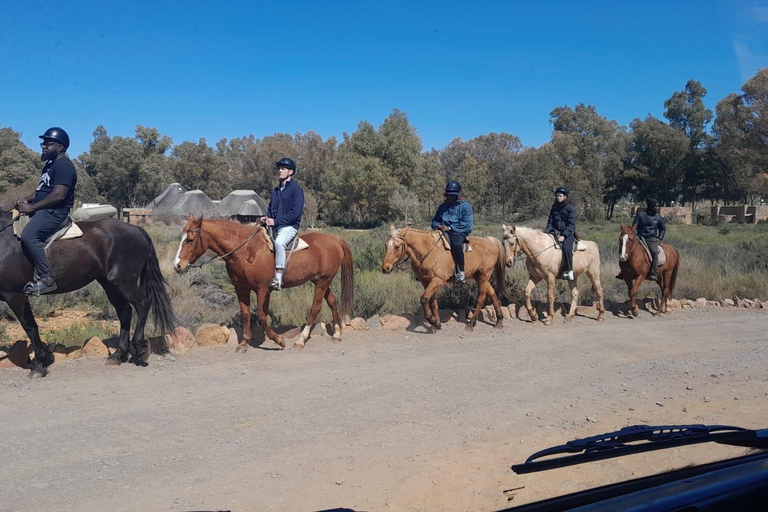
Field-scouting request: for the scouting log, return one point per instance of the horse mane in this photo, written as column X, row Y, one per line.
column 231, row 226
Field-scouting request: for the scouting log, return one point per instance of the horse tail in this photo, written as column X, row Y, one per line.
column 500, row 271
column 152, row 285
column 673, row 277
column 347, row 279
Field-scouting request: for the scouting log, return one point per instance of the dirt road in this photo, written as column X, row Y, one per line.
column 383, row 421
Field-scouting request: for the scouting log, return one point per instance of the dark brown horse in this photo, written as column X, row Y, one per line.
column 251, row 265
column 434, row 267
column 635, row 266
column 119, row 256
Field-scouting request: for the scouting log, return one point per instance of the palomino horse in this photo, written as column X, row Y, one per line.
column 434, row 267
column 119, row 256
column 543, row 259
column 635, row 265
column 251, row 265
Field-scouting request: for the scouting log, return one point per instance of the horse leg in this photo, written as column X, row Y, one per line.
column 124, row 313
column 130, row 292
column 262, row 313
column 482, row 291
column 532, row 282
column 496, row 306
column 19, row 304
column 633, row 287
column 317, row 303
column 551, row 299
column 244, row 298
column 434, row 307
column 330, row 298
column 426, row 297
column 574, row 300
column 664, row 285
column 598, row 287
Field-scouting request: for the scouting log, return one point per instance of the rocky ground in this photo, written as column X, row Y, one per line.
column 385, row 420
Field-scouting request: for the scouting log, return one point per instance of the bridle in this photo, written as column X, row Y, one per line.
column 402, row 239
column 522, row 253
column 199, row 242
column 630, row 249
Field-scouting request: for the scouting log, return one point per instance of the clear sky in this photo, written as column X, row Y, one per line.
column 459, row 69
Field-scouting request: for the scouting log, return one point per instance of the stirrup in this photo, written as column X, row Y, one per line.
column 276, row 284
column 38, row 287
column 460, row 278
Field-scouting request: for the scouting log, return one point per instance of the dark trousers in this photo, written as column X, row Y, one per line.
column 41, row 226
column 567, row 248
column 457, row 249
column 653, row 246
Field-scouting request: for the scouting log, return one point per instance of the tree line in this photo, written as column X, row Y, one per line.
column 376, row 174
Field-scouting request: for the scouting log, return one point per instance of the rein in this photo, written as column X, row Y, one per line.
column 200, row 240
column 439, row 239
column 522, row 253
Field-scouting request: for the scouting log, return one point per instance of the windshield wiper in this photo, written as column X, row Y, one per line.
column 643, row 438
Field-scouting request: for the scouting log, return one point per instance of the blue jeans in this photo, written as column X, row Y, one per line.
column 284, row 235
column 42, row 224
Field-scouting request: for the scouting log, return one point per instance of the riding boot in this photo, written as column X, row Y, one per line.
column 277, row 282
column 40, row 286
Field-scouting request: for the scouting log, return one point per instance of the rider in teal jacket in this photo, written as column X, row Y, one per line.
column 455, row 218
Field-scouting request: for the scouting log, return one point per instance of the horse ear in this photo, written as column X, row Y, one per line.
column 392, row 229
column 512, row 229
column 622, row 226
column 191, row 217
column 504, row 227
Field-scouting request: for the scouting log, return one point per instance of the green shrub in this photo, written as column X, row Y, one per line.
column 77, row 334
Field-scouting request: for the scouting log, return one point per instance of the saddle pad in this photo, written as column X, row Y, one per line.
column 20, row 221
column 447, row 242
column 662, row 254
column 577, row 245
column 297, row 244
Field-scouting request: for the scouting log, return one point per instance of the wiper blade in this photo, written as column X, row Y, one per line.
column 645, row 438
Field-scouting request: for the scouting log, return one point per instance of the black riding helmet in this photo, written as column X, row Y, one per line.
column 286, row 162
column 561, row 190
column 56, row 134
column 452, row 188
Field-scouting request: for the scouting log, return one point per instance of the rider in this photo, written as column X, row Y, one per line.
column 48, row 207
column 454, row 217
column 651, row 227
column 562, row 224
column 286, row 205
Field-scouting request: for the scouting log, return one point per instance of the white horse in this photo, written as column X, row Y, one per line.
column 543, row 260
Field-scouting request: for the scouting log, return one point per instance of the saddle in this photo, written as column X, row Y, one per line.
column 577, row 244
column 662, row 254
column 447, row 243
column 296, row 243
column 67, row 229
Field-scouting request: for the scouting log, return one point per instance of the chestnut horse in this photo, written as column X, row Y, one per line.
column 434, row 267
column 251, row 266
column 543, row 260
column 635, row 265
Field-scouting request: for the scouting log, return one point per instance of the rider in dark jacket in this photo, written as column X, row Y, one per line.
column 651, row 227
column 562, row 224
column 455, row 218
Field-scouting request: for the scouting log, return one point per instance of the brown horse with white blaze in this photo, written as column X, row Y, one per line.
column 250, row 265
column 543, row 260
column 434, row 268
column 635, row 265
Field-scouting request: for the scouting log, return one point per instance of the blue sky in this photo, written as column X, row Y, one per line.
column 459, row 69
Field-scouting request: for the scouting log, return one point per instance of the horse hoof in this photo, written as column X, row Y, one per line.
column 336, row 339
column 499, row 325
column 547, row 321
column 241, row 349
column 298, row 346
column 469, row 328
column 635, row 312
column 280, row 341
column 38, row 372
column 600, row 318
column 113, row 361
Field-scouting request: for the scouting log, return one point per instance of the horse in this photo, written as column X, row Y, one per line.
column 543, row 260
column 635, row 265
column 121, row 257
column 250, row 265
column 434, row 268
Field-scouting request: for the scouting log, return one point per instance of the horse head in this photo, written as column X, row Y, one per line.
column 395, row 250
column 192, row 245
column 511, row 244
column 627, row 240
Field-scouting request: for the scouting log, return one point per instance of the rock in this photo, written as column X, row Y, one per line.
column 701, row 302
column 487, row 315
column 233, row 338
column 746, row 303
column 59, row 357
column 521, row 313
column 212, row 335
column 727, row 303
column 16, row 355
column 759, row 304
column 713, row 304
column 675, row 304
column 446, row 315
column 374, row 323
column 180, row 340
column 95, row 348
column 158, row 345
column 74, row 353
column 359, row 324
column 395, row 322
column 588, row 311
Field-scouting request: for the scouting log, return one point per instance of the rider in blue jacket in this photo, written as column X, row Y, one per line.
column 651, row 227
column 454, row 217
column 562, row 224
